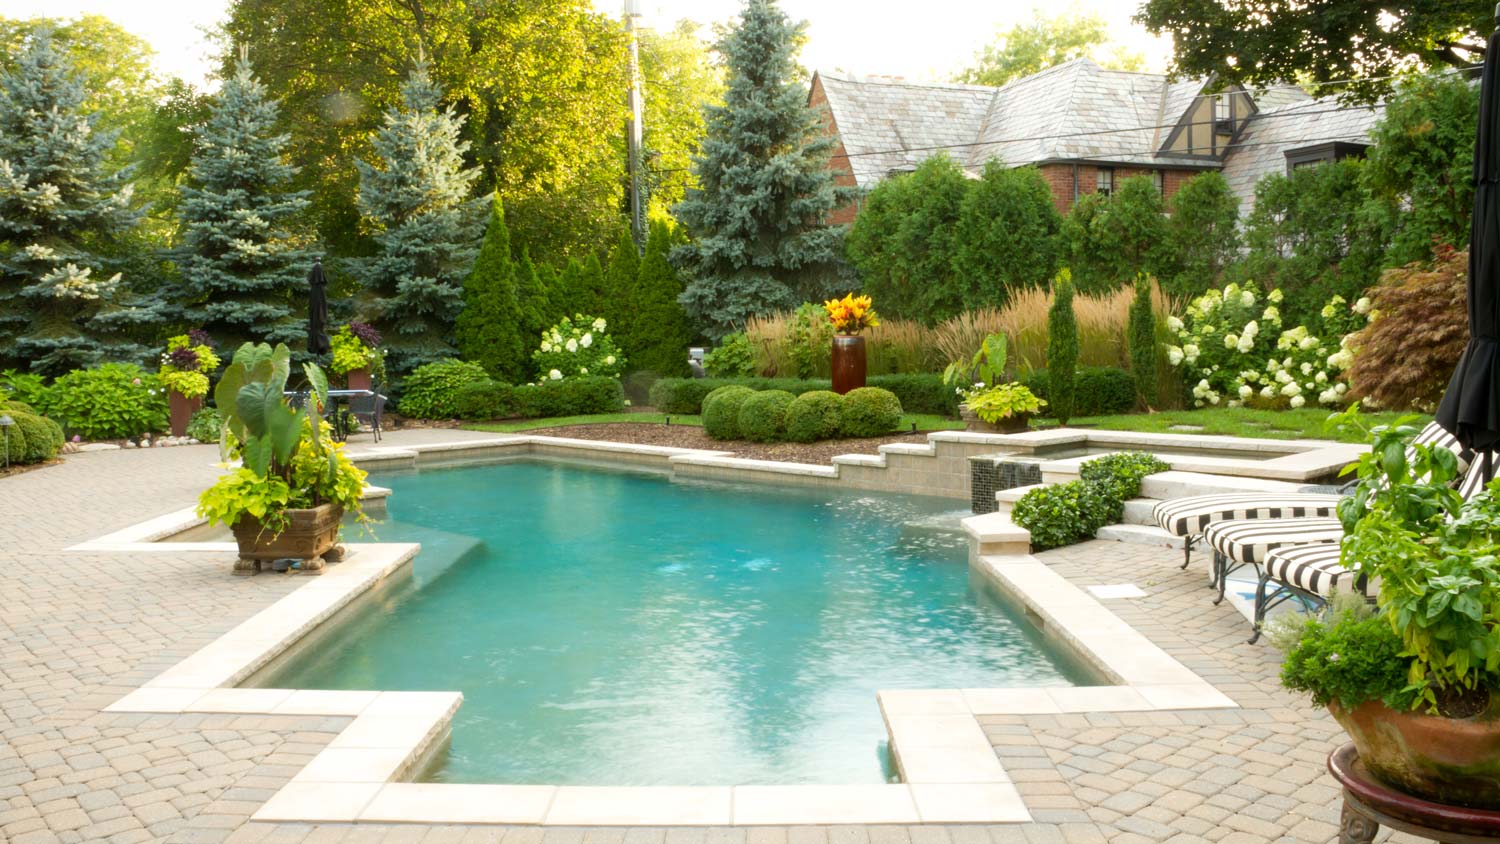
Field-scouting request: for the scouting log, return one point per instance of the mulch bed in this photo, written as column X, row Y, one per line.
column 691, row 436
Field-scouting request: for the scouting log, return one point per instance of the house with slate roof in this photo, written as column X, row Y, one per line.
column 1084, row 127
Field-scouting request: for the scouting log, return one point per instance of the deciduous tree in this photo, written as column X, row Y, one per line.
column 1042, row 42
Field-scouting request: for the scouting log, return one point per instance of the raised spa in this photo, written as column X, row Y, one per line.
column 612, row 627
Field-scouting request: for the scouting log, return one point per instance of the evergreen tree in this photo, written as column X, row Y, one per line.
column 1130, row 234
column 1062, row 348
column 661, row 334
column 620, row 288
column 1090, row 264
column 760, row 238
column 58, row 205
column 426, row 225
column 533, row 284
column 1202, row 234
column 489, row 327
column 1006, row 237
column 567, row 290
column 242, row 270
column 1142, row 338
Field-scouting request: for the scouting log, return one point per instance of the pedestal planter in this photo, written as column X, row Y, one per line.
column 1013, row 424
column 848, row 363
column 358, row 379
column 310, row 536
column 1450, row 760
column 181, row 409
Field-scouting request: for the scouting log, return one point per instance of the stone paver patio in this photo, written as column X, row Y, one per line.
column 82, row 629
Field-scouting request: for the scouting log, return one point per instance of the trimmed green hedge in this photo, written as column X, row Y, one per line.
column 1098, row 391
column 763, row 416
column 431, row 390
column 917, row 393
column 814, row 416
column 482, row 401
column 33, row 438
column 721, row 411
column 870, row 412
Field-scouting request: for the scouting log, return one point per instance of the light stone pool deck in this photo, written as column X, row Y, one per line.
column 87, row 628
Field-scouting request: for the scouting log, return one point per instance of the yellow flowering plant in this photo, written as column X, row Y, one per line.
column 851, row 314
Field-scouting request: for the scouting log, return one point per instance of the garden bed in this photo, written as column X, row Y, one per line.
column 692, row 436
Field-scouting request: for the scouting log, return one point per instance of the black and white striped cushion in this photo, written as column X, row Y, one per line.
column 1475, row 481
column 1435, row 434
column 1250, row 540
column 1190, row 516
column 1311, row 568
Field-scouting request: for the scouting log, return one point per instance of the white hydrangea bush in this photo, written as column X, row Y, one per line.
column 1239, row 361
column 576, row 347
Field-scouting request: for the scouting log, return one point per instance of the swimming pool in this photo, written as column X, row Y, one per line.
column 613, row 627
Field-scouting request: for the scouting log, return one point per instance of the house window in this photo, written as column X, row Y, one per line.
column 1106, row 183
column 1159, row 179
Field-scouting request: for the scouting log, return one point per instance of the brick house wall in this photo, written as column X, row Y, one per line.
column 1059, row 178
column 817, row 99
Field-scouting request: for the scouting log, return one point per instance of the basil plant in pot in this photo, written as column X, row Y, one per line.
column 986, row 404
column 1415, row 678
column 293, row 485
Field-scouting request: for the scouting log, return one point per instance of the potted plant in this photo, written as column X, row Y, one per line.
column 293, row 485
column 849, row 316
column 1415, row 680
column 356, row 355
column 185, row 367
column 986, row 404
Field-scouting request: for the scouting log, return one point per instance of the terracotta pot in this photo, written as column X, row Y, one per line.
column 310, row 535
column 181, row 409
column 1447, row 760
column 358, row 379
column 848, row 362
column 1014, row 424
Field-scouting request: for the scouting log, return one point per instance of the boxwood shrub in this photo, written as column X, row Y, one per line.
column 721, row 411
column 870, row 412
column 570, row 397
column 33, row 438
column 480, row 401
column 816, row 415
column 431, row 390
column 1062, row 514
column 917, row 393
column 1099, row 390
column 763, row 415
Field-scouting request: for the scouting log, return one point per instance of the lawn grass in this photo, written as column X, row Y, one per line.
column 1302, row 424
column 923, row 421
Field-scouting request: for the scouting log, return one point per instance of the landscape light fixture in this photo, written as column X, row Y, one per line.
column 5, row 423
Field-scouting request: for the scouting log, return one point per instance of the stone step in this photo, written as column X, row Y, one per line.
column 1007, row 498
column 1164, row 486
column 995, row 534
column 1138, row 511
column 1140, row 535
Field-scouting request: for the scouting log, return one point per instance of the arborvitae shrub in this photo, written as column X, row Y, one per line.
column 1062, row 348
column 1142, row 337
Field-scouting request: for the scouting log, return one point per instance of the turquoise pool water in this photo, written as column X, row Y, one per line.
column 615, row 628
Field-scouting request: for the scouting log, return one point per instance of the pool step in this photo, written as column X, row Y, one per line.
column 1173, row 484
column 995, row 534
column 1139, row 535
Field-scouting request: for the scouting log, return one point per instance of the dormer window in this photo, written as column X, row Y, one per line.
column 1224, row 122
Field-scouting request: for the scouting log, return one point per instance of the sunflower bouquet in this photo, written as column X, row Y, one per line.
column 851, row 314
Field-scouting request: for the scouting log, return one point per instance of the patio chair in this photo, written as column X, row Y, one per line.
column 369, row 410
column 1299, row 558
column 1190, row 516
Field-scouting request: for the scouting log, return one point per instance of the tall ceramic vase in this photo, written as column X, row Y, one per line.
column 848, row 362
column 181, row 410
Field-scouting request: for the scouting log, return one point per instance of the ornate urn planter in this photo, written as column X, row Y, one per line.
column 848, row 362
column 310, row 536
column 1455, row 761
column 181, row 409
column 1014, row 424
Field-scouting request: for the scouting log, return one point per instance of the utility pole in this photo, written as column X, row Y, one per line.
column 633, row 127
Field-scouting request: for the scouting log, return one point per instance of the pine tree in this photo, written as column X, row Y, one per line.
column 243, row 270
column 427, row 226
column 1062, row 348
column 1142, row 336
column 488, row 331
column 661, row 334
column 57, row 206
column 533, row 288
column 620, row 287
column 760, row 238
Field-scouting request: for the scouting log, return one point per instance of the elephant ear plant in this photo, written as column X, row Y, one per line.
column 288, row 460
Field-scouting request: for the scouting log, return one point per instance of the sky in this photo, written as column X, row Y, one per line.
column 859, row 36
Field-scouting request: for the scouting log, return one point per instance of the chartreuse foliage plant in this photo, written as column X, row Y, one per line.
column 187, row 364
column 288, row 460
column 431, row 390
column 732, row 358
column 356, row 346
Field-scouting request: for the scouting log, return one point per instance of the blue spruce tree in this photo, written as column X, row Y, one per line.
column 243, row 268
column 58, row 206
column 427, row 226
column 760, row 238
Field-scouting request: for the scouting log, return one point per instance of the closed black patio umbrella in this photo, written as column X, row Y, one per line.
column 1470, row 409
column 317, row 310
